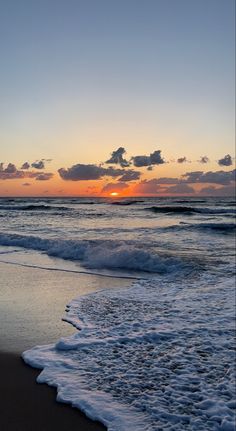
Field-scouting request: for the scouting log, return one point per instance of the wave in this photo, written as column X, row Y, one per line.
column 222, row 227
column 184, row 201
column 171, row 209
column 189, row 210
column 126, row 202
column 217, row 227
column 100, row 254
column 32, row 208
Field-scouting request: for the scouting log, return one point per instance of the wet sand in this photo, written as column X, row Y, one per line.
column 32, row 303
column 26, row 405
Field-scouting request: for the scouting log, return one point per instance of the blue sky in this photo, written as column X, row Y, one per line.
column 80, row 78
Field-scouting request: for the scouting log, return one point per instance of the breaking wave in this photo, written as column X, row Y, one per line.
column 101, row 254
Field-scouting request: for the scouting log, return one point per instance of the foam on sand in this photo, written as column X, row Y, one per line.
column 149, row 357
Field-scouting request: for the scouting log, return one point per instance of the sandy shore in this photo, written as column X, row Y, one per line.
column 26, row 405
column 31, row 306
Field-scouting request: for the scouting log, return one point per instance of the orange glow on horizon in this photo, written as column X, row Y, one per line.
column 114, row 194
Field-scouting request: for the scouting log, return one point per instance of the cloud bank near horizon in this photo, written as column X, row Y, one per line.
column 122, row 174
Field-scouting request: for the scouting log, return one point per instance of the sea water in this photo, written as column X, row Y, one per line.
column 158, row 354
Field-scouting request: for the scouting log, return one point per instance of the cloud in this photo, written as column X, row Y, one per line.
column 140, row 161
column 225, row 161
column 10, row 172
column 149, row 187
column 39, row 164
column 221, row 191
column 44, row 177
column 113, row 172
column 26, row 184
column 167, row 180
column 180, row 189
column 195, row 177
column 118, row 159
column 204, row 159
column 156, row 158
column 81, row 172
column 218, row 177
column 153, row 159
column 130, row 175
column 114, row 187
column 25, row 165
column 182, row 160
column 10, row 169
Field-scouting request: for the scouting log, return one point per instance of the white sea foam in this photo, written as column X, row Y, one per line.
column 148, row 358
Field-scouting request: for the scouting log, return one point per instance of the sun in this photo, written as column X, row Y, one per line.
column 114, row 194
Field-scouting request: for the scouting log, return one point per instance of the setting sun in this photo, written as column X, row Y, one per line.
column 114, row 194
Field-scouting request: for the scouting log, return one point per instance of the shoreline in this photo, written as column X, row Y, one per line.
column 31, row 309
column 27, row 405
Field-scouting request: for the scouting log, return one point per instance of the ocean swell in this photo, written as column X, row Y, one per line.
column 32, row 208
column 189, row 210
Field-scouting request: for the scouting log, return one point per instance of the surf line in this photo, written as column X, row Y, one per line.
column 9, row 252
column 26, row 265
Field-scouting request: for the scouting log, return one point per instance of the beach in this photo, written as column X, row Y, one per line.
column 26, row 405
column 123, row 311
column 27, row 318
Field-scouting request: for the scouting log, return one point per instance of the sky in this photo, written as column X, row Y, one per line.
column 81, row 80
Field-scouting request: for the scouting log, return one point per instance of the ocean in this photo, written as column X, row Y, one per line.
column 155, row 353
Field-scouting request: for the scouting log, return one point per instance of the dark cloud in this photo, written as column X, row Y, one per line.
column 26, row 184
column 39, row 164
column 82, row 172
column 182, row 160
column 149, row 187
column 10, row 172
column 118, row 159
column 225, row 161
column 204, row 159
column 140, row 161
column 167, row 180
column 218, row 177
column 180, row 189
column 130, row 175
column 153, row 187
column 153, row 159
column 156, row 158
column 114, row 187
column 220, row 191
column 193, row 177
column 113, row 172
column 44, row 177
column 25, row 165
column 10, row 169
column 196, row 177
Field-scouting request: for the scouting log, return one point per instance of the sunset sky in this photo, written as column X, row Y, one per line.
column 127, row 96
